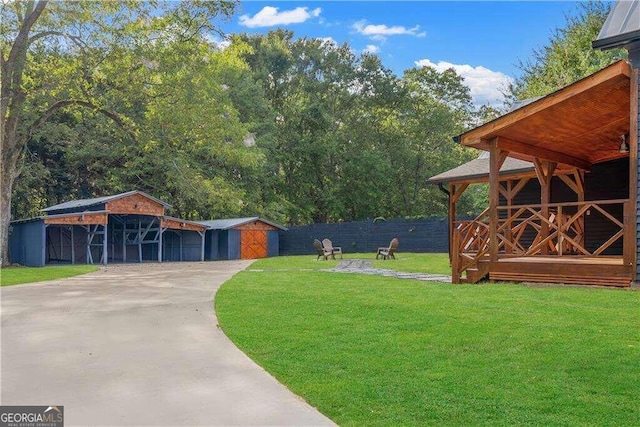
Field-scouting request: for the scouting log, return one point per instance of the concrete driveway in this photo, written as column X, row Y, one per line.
column 137, row 345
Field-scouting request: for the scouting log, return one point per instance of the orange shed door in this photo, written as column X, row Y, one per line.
column 253, row 244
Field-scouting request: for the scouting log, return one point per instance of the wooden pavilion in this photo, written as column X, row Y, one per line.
column 569, row 215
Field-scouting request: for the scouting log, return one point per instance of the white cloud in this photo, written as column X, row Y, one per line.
column 270, row 16
column 485, row 85
column 381, row 32
column 371, row 48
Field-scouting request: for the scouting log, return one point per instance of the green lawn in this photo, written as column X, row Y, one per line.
column 369, row 350
column 407, row 262
column 17, row 275
column 416, row 263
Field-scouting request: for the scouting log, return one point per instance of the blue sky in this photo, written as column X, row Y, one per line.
column 482, row 40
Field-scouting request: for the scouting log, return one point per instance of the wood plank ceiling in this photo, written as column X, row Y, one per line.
column 578, row 125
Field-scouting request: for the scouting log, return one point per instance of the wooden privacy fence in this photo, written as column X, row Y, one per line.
column 415, row 235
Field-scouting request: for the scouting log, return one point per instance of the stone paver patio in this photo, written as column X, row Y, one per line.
column 363, row 266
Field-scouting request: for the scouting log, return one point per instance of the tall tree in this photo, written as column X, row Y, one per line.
column 50, row 59
column 568, row 56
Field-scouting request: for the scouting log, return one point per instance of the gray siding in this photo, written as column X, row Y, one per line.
column 223, row 245
column 27, row 243
column 211, row 245
column 228, row 245
column 190, row 246
column 273, row 243
column 233, row 247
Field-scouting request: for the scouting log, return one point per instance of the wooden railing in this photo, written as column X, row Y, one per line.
column 555, row 229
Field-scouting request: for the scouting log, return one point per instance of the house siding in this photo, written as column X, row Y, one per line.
column 634, row 56
column 606, row 181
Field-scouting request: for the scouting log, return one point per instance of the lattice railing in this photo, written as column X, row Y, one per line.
column 555, row 229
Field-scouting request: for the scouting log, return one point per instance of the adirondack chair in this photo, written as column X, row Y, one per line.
column 322, row 252
column 328, row 246
column 388, row 252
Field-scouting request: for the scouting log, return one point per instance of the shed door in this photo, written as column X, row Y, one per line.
column 253, row 244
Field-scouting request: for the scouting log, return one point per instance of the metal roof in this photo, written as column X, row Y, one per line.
column 21, row 221
column 479, row 168
column 226, row 224
column 621, row 27
column 85, row 203
column 186, row 221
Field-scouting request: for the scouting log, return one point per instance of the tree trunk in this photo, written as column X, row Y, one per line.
column 7, row 177
column 11, row 104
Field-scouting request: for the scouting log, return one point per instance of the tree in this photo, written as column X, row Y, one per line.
column 568, row 56
column 51, row 55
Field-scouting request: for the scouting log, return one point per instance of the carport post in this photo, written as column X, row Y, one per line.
column 104, row 245
column 61, row 244
column 139, row 240
column 202, row 234
column 160, row 231
column 124, row 240
column 73, row 247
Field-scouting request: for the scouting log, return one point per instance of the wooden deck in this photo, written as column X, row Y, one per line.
column 582, row 270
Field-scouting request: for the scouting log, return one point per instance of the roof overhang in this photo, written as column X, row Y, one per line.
column 477, row 171
column 173, row 223
column 621, row 28
column 576, row 126
column 229, row 223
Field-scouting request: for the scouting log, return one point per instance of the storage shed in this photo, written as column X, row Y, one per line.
column 241, row 238
column 126, row 227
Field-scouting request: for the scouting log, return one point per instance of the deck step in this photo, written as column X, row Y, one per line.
column 479, row 272
column 571, row 280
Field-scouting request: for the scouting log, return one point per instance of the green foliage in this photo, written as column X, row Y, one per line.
column 58, row 57
column 20, row 275
column 351, row 140
column 299, row 130
column 370, row 350
column 568, row 56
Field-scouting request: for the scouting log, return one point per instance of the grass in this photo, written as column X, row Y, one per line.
column 18, row 275
column 406, row 262
column 301, row 262
column 416, row 263
column 369, row 350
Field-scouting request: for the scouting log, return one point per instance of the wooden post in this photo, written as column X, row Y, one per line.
column 494, row 194
column 454, row 196
column 544, row 171
column 630, row 220
column 560, row 233
column 455, row 261
column 452, row 220
column 509, row 201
